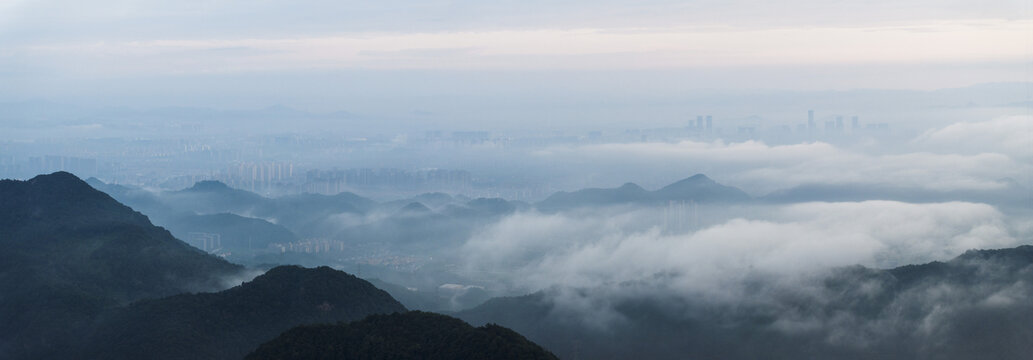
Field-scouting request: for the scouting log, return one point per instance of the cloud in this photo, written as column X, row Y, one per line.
column 760, row 168
column 321, row 16
column 790, row 265
column 535, row 251
column 1012, row 135
column 117, row 50
column 547, row 48
column 239, row 278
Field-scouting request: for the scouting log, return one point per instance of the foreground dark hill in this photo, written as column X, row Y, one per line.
column 978, row 305
column 412, row 335
column 231, row 323
column 698, row 188
column 71, row 251
column 83, row 276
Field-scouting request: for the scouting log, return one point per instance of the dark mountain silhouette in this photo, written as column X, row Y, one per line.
column 211, row 196
column 978, row 305
column 697, row 188
column 414, row 209
column 412, row 335
column 233, row 322
column 626, row 194
column 88, row 277
column 71, row 251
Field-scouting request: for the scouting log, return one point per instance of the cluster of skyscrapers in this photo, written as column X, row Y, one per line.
column 699, row 124
column 836, row 125
column 209, row 242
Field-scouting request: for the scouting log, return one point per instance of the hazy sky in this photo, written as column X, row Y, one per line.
column 141, row 50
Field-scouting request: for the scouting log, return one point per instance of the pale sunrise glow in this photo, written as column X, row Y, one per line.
column 593, row 49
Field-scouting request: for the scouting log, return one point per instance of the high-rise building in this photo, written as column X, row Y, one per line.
column 699, row 122
column 810, row 120
column 710, row 123
column 839, row 123
column 205, row 241
column 853, row 122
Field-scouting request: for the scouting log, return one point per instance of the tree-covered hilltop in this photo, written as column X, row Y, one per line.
column 70, row 251
column 412, row 335
column 230, row 323
column 973, row 306
column 62, row 231
column 84, row 276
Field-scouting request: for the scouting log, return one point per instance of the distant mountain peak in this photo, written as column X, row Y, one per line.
column 60, row 178
column 631, row 186
column 695, row 179
column 698, row 187
column 58, row 196
column 290, row 271
column 692, row 182
column 294, row 281
column 209, row 185
column 415, row 207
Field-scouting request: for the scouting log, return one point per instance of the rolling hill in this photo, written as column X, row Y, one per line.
column 412, row 335
column 72, row 251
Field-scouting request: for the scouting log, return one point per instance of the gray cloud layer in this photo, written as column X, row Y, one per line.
column 594, row 249
column 161, row 18
column 962, row 156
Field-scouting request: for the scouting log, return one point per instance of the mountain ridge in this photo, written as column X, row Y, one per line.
column 411, row 335
column 73, row 251
column 972, row 306
column 699, row 188
column 230, row 323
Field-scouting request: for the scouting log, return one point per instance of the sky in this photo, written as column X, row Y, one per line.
column 608, row 65
column 593, row 248
column 315, row 54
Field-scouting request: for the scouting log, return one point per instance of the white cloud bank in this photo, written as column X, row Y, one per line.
column 535, row 251
column 962, row 156
column 1011, row 135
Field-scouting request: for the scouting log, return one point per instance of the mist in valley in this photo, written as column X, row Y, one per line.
column 609, row 180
